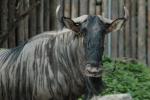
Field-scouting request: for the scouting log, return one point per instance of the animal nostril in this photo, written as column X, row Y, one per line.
column 94, row 65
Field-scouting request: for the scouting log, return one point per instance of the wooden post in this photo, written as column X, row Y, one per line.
column 115, row 9
column 141, row 31
column 105, row 8
column 134, row 28
column 20, row 28
column 105, row 14
column 99, row 9
column 26, row 20
column 40, row 13
column 128, row 50
column 67, row 8
column 53, row 5
column 32, row 20
column 92, row 7
column 75, row 8
column 83, row 7
column 148, row 38
column 121, row 33
column 46, row 15
column 11, row 18
column 4, row 17
column 99, row 4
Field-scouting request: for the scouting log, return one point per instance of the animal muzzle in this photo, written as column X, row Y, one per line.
column 92, row 70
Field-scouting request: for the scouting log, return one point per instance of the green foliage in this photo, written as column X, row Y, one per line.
column 126, row 76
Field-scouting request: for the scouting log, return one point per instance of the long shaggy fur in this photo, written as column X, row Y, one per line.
column 47, row 67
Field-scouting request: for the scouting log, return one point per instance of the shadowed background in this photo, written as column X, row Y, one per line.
column 23, row 19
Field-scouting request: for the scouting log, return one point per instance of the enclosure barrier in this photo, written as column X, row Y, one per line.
column 132, row 42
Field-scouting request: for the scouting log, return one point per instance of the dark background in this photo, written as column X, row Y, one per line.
column 22, row 19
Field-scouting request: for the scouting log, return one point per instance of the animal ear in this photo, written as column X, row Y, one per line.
column 116, row 25
column 70, row 24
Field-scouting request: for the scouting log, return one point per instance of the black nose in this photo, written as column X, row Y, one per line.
column 94, row 64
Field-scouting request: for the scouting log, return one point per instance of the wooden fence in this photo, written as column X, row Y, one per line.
column 132, row 42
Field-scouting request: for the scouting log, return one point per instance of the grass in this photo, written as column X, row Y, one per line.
column 126, row 76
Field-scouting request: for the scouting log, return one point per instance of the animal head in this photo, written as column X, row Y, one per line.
column 93, row 29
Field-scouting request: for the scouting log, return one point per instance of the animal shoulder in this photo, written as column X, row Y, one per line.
column 49, row 35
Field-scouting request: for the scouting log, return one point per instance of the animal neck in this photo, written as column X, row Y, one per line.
column 67, row 55
column 70, row 48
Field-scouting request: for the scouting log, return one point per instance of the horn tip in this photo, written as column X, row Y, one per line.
column 57, row 10
column 126, row 12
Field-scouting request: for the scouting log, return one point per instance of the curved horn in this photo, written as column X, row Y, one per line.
column 77, row 20
column 57, row 12
column 59, row 16
column 126, row 15
column 106, row 20
column 80, row 19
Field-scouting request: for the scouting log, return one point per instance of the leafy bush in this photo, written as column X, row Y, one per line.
column 126, row 76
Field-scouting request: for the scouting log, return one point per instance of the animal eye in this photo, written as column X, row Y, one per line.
column 84, row 20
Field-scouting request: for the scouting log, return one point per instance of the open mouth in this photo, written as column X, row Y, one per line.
column 92, row 74
column 92, row 71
